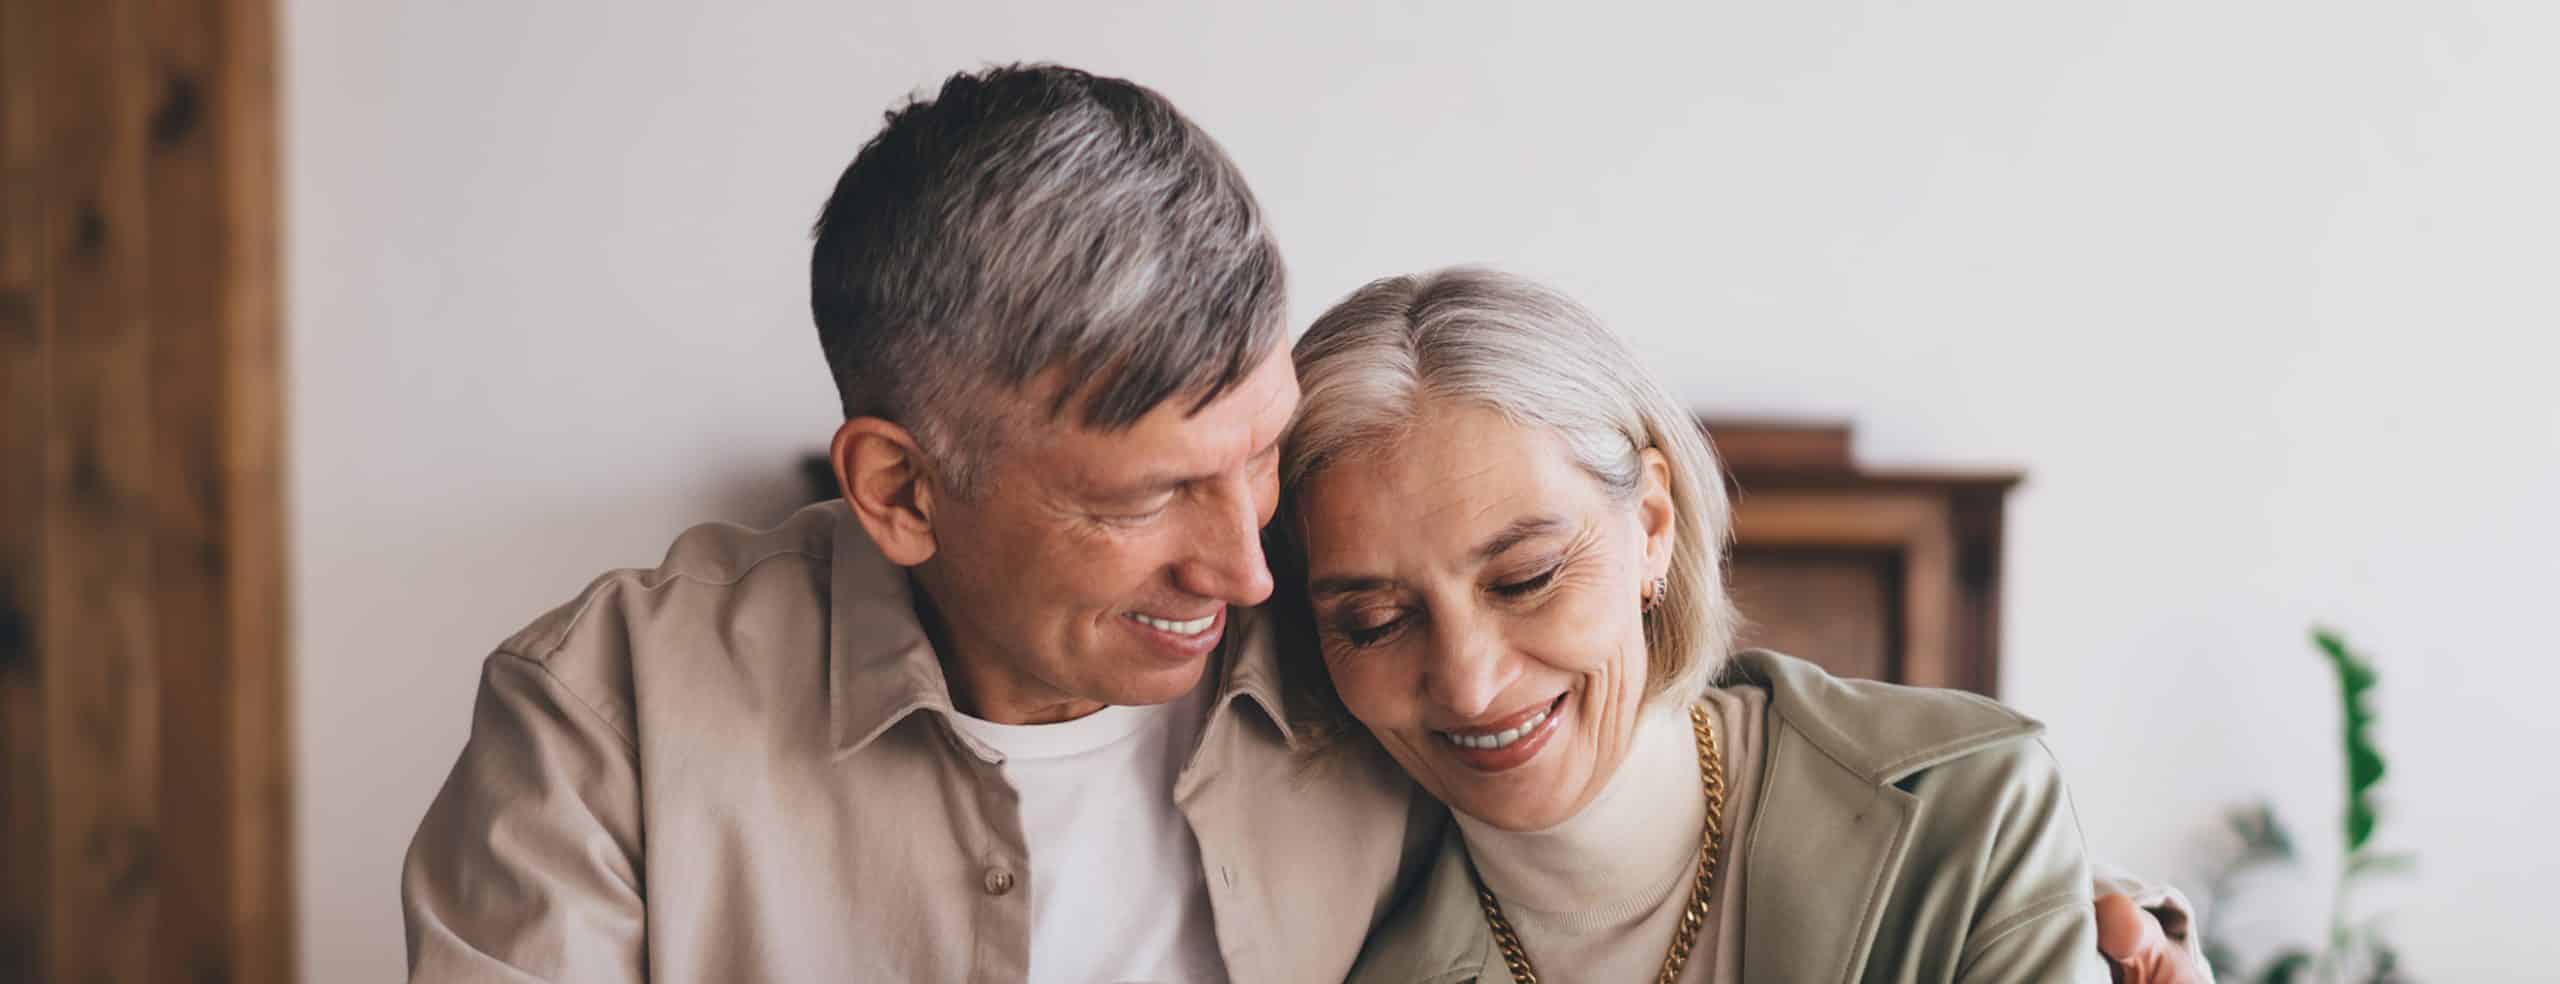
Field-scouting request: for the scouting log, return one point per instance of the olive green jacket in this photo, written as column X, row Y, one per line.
column 1901, row 835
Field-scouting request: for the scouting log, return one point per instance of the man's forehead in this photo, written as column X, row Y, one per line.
column 1067, row 391
column 1180, row 437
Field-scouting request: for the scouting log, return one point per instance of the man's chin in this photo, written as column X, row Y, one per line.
column 1159, row 686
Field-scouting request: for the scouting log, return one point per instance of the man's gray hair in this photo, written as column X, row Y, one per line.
column 1032, row 218
column 1370, row 366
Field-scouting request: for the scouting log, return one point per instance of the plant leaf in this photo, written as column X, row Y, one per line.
column 2386, row 964
column 2372, row 863
column 2218, row 955
column 2356, row 679
column 2263, row 838
column 2288, row 965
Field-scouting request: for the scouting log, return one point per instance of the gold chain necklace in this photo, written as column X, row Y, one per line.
column 1692, row 918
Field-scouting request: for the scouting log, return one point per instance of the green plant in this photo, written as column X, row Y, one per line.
column 2349, row 951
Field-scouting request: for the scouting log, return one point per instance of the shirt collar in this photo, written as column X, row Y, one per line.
column 1251, row 664
column 880, row 666
column 1872, row 729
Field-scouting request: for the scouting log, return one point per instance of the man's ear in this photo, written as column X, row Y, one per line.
column 881, row 471
column 1658, row 511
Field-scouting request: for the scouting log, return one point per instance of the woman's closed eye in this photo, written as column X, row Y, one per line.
column 1524, row 587
column 1364, row 629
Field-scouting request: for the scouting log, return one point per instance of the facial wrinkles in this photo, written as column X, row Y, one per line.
column 1474, row 520
column 1619, row 682
column 1180, row 438
column 1102, row 501
column 1577, row 632
column 1546, row 620
column 1254, row 449
column 1578, row 564
column 1540, row 628
column 1459, row 579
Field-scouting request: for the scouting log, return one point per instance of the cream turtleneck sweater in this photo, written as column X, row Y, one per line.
column 1595, row 898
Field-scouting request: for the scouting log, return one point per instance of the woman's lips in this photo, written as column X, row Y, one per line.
column 1511, row 743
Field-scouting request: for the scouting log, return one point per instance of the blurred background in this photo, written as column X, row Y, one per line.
column 425, row 313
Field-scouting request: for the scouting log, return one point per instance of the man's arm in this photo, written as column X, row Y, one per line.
column 527, row 866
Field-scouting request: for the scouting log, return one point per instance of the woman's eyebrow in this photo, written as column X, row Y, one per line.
column 1520, row 531
column 1332, row 586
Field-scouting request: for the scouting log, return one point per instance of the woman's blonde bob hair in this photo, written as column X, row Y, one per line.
column 1370, row 365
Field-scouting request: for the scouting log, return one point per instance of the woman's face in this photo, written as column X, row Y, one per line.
column 1479, row 601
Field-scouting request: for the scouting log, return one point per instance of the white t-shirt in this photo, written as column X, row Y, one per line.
column 1117, row 891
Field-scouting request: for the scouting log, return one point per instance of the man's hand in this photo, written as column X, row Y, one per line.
column 2138, row 951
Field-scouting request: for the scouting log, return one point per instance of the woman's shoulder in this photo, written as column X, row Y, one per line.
column 1883, row 732
column 1986, row 867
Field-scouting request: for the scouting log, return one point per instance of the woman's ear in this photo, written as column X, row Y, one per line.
column 881, row 471
column 1658, row 512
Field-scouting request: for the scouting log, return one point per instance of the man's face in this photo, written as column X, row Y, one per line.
column 1097, row 568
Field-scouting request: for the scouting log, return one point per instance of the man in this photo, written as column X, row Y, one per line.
column 1004, row 712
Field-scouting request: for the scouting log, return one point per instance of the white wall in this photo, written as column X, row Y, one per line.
column 2260, row 293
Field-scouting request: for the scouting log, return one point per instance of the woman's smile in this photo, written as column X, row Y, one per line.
column 1508, row 742
column 1491, row 630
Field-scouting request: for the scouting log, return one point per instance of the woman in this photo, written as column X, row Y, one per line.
column 1510, row 542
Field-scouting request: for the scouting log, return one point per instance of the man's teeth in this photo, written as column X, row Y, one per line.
column 1192, row 627
column 1500, row 738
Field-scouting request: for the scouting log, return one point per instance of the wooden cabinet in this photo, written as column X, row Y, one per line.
column 1886, row 574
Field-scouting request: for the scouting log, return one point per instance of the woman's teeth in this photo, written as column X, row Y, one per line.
column 1192, row 627
column 1500, row 738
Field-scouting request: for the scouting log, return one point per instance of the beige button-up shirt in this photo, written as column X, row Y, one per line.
column 739, row 766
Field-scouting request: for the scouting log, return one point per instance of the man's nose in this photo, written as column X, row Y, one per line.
column 1226, row 561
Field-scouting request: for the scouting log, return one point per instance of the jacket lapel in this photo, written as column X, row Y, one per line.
column 1832, row 826
column 1818, row 824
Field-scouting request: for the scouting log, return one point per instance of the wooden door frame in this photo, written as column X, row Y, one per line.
column 144, row 682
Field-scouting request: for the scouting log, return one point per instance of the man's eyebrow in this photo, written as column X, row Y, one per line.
column 1166, row 481
column 1520, row 531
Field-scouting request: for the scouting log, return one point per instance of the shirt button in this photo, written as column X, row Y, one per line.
column 999, row 881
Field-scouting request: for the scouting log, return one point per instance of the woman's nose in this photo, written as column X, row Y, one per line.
column 1469, row 669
